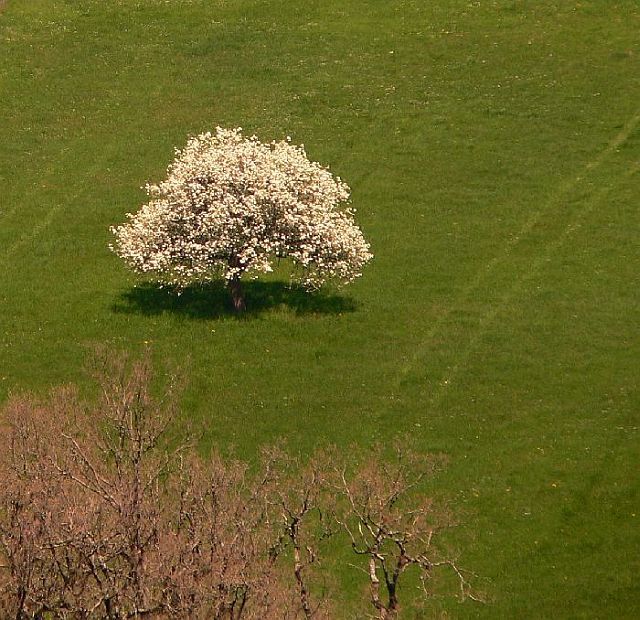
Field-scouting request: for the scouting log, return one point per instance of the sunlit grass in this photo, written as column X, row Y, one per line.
column 492, row 149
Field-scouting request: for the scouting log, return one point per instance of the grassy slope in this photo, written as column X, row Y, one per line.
column 492, row 148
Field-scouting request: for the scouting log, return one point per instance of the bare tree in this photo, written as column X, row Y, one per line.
column 104, row 513
column 301, row 508
column 84, row 488
column 222, row 543
column 103, row 517
column 392, row 525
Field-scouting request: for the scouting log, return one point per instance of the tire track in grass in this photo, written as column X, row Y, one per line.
column 42, row 225
column 519, row 284
column 50, row 215
column 46, row 174
column 35, row 231
column 487, row 270
column 7, row 214
column 49, row 173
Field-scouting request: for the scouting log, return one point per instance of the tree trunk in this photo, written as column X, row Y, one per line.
column 374, row 586
column 302, row 587
column 392, row 606
column 237, row 295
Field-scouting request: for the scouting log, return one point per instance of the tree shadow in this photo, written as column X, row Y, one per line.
column 212, row 300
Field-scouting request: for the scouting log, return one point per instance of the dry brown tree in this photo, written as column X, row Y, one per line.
column 106, row 513
column 223, row 543
column 300, row 507
column 102, row 516
column 84, row 488
column 392, row 525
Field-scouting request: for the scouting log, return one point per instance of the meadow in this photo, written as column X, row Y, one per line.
column 493, row 150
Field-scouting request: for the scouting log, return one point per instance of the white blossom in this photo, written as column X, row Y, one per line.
column 232, row 205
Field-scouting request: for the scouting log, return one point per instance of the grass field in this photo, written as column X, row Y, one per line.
column 493, row 149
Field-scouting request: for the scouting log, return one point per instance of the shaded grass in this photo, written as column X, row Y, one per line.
column 491, row 148
column 211, row 300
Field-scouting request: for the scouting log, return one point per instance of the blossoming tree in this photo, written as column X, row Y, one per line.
column 232, row 205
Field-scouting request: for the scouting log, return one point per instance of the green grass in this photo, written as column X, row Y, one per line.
column 493, row 151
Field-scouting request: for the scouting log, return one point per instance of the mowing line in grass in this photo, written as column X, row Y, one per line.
column 618, row 141
column 620, row 138
column 516, row 288
column 36, row 230
column 46, row 174
column 46, row 221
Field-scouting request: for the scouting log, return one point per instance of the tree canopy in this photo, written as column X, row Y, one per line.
column 232, row 205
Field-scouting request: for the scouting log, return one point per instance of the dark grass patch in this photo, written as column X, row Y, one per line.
column 211, row 300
